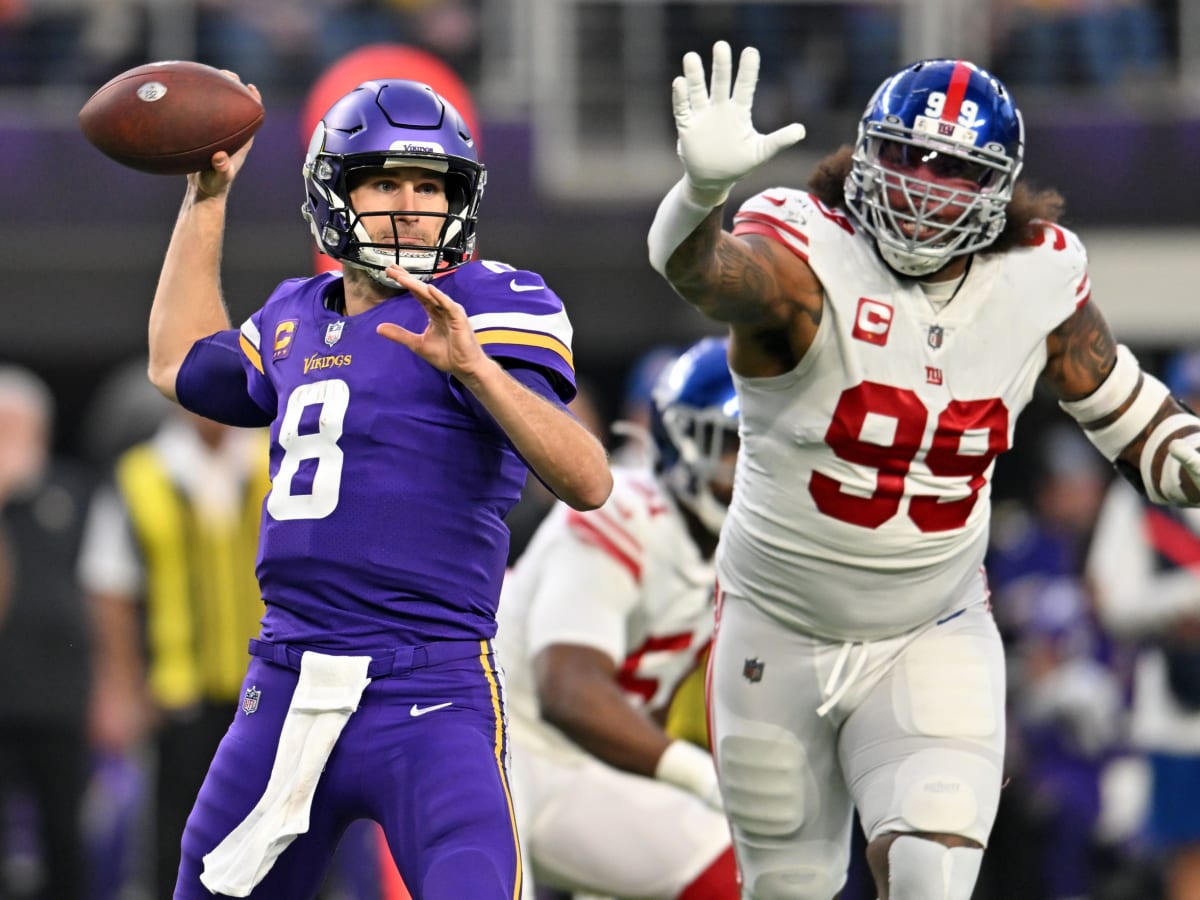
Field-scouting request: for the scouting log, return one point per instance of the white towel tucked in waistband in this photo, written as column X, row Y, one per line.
column 326, row 694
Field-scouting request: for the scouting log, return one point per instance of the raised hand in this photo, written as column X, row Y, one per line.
column 718, row 142
column 448, row 341
column 224, row 167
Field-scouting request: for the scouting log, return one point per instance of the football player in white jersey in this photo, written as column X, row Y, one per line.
column 887, row 326
column 600, row 620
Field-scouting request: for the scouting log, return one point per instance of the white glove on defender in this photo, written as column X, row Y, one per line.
column 690, row 767
column 717, row 140
column 1188, row 458
column 717, row 144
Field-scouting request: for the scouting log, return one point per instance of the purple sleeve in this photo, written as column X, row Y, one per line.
column 548, row 385
column 212, row 383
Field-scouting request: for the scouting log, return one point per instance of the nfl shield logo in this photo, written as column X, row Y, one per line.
column 935, row 336
column 250, row 701
column 752, row 670
column 333, row 332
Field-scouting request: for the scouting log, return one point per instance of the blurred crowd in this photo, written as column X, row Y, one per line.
column 834, row 55
column 815, row 55
column 277, row 44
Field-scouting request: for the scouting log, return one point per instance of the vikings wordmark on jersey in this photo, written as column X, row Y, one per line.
column 370, row 441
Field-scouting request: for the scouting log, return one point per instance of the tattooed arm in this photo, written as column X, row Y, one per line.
column 770, row 297
column 1082, row 351
column 1127, row 413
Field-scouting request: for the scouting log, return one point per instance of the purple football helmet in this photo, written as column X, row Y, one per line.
column 391, row 122
column 956, row 121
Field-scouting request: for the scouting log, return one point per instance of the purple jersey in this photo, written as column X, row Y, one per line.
column 385, row 521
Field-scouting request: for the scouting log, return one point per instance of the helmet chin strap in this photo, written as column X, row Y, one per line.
column 909, row 263
column 374, row 261
column 377, row 275
column 422, row 265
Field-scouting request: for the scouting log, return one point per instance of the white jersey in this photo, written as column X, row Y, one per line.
column 625, row 579
column 862, row 498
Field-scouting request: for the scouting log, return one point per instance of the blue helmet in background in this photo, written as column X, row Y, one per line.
column 1181, row 374
column 391, row 122
column 959, row 121
column 694, row 424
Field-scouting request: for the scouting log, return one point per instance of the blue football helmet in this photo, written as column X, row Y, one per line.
column 957, row 121
column 1181, row 374
column 391, row 122
column 694, row 424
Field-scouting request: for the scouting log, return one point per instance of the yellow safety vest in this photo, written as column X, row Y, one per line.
column 202, row 601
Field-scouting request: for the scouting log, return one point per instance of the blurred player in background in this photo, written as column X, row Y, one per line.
column 45, row 647
column 602, row 617
column 633, row 443
column 1143, row 571
column 887, row 326
column 397, row 446
column 168, row 563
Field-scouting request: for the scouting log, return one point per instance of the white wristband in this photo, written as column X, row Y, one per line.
column 1115, row 437
column 678, row 215
column 1167, row 488
column 685, row 765
column 1113, row 391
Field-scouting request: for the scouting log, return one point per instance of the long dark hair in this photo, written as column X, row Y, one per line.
column 828, row 184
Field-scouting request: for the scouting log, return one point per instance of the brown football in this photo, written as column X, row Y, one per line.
column 169, row 118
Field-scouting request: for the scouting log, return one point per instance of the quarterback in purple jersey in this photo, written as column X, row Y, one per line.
column 407, row 398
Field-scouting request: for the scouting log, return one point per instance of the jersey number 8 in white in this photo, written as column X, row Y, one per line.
column 332, row 397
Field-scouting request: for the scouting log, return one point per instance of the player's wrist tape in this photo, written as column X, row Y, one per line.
column 687, row 766
column 1113, row 391
column 1116, row 436
column 679, row 214
column 1116, row 389
column 1168, row 486
column 711, row 196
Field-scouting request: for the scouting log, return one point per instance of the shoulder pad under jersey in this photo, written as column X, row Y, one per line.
column 514, row 313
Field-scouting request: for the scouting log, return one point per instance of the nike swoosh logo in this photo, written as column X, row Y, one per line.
column 778, row 201
column 517, row 286
column 415, row 710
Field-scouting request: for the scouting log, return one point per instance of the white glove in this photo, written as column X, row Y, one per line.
column 687, row 766
column 717, row 140
column 1188, row 457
